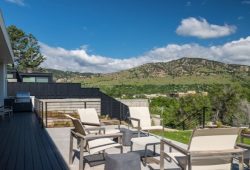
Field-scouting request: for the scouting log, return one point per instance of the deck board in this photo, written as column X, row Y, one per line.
column 24, row 145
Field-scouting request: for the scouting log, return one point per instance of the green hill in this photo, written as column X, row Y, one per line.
column 181, row 71
column 165, row 77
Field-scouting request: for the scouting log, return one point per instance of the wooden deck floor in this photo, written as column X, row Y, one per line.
column 24, row 145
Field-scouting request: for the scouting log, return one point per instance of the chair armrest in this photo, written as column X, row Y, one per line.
column 115, row 135
column 204, row 153
column 242, row 145
column 176, row 147
column 135, row 119
column 91, row 124
column 76, row 134
column 110, row 122
column 138, row 122
column 95, row 129
column 103, row 136
column 155, row 117
column 131, row 118
column 92, row 137
column 216, row 152
column 159, row 118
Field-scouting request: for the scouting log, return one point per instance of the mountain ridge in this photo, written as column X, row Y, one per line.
column 197, row 68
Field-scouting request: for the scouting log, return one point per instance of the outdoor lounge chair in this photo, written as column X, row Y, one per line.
column 91, row 143
column 141, row 119
column 89, row 118
column 6, row 111
column 209, row 149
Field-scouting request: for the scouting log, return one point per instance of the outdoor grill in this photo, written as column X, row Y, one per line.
column 22, row 97
column 22, row 102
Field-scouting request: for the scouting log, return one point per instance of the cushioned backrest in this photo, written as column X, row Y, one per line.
column 141, row 113
column 214, row 139
column 77, row 124
column 88, row 115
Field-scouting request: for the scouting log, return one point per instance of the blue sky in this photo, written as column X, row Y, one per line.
column 107, row 36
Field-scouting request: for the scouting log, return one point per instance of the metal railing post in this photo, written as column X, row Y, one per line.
column 203, row 117
column 46, row 114
column 42, row 116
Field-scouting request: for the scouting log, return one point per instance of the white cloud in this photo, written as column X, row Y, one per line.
column 202, row 29
column 17, row 2
column 236, row 52
column 240, row 18
column 188, row 4
column 246, row 2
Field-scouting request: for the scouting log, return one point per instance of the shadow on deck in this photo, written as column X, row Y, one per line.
column 25, row 145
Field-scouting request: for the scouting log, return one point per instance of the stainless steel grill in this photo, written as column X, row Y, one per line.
column 22, row 97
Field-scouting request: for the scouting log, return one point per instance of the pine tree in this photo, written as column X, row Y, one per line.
column 26, row 49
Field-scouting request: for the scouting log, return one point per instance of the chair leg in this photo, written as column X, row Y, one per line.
column 81, row 155
column 121, row 149
column 241, row 164
column 189, row 163
column 70, row 148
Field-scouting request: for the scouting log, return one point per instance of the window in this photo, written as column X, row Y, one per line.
column 36, row 79
column 29, row 79
column 42, row 79
column 10, row 76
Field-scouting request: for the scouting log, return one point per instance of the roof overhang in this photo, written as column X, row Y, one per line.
column 6, row 53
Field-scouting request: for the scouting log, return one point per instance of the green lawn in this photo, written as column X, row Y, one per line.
column 184, row 136
column 180, row 136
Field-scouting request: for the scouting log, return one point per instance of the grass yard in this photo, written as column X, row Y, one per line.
column 180, row 136
column 184, row 136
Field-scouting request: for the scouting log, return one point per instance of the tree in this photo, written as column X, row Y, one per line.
column 226, row 100
column 26, row 49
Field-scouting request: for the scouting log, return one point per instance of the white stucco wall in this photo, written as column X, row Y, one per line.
column 6, row 57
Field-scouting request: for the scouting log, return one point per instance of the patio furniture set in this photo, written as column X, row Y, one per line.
column 208, row 148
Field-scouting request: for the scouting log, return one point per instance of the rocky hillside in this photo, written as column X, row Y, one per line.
column 183, row 67
column 181, row 71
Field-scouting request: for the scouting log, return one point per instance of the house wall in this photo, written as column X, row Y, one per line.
column 3, row 83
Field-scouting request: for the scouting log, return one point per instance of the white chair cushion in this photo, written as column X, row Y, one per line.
column 101, row 144
column 88, row 115
column 152, row 128
column 200, row 143
column 145, row 140
column 141, row 113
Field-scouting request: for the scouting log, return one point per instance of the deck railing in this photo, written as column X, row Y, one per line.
column 51, row 112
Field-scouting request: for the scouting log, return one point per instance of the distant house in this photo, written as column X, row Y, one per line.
column 29, row 77
column 188, row 93
column 150, row 96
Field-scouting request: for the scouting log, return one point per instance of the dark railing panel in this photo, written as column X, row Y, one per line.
column 109, row 105
column 53, row 90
